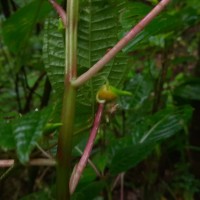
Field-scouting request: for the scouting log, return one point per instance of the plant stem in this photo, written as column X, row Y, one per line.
column 98, row 173
column 121, row 44
column 122, row 186
column 78, row 170
column 65, row 144
column 60, row 11
column 68, row 110
column 34, row 162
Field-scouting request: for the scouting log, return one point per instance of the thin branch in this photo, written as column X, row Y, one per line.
column 120, row 45
column 61, row 12
column 31, row 93
column 122, row 186
column 90, row 163
column 34, row 162
column 6, row 173
column 43, row 151
column 42, row 162
column 6, row 163
column 78, row 170
column 115, row 182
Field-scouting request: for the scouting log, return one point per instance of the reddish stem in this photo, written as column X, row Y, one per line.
column 78, row 170
column 34, row 162
column 61, row 12
column 120, row 45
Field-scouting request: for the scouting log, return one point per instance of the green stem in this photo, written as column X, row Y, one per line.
column 68, row 110
column 65, row 144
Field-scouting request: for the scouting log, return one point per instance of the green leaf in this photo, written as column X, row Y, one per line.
column 89, row 191
column 166, row 123
column 162, row 126
column 190, row 90
column 162, row 26
column 27, row 131
column 53, row 52
column 129, row 157
column 140, row 86
column 46, row 194
column 7, row 141
column 194, row 4
column 17, row 28
column 98, row 31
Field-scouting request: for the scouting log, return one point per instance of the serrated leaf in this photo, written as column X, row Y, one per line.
column 98, row 31
column 53, row 52
column 27, row 131
column 163, row 125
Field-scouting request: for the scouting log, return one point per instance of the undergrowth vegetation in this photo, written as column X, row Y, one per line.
column 147, row 143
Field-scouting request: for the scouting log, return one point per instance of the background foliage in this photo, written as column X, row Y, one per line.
column 151, row 138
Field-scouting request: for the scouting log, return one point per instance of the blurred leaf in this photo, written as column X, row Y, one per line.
column 88, row 175
column 17, row 28
column 27, row 131
column 100, row 160
column 162, row 126
column 194, row 4
column 45, row 194
column 189, row 90
column 89, row 191
column 162, row 26
column 140, row 86
column 166, row 123
column 129, row 157
column 7, row 141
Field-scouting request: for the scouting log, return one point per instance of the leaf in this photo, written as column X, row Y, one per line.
column 53, row 53
column 98, row 31
column 17, row 28
column 27, row 131
column 48, row 193
column 194, row 4
column 7, row 141
column 89, row 191
column 190, row 90
column 129, row 157
column 166, row 123
column 163, row 125
column 140, row 86
column 162, row 26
